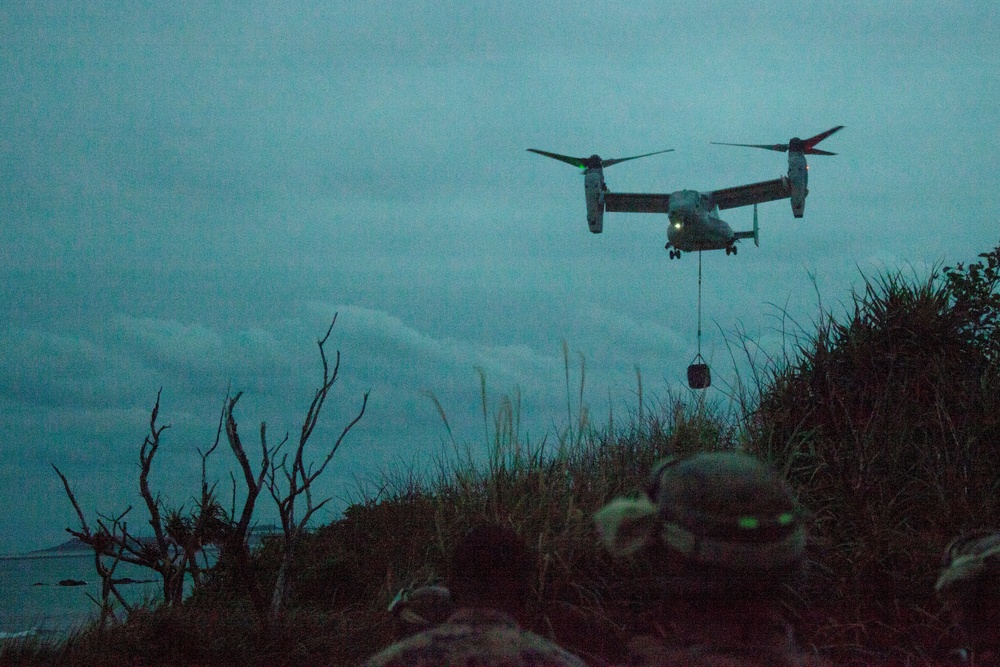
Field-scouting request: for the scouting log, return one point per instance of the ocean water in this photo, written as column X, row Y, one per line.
column 51, row 610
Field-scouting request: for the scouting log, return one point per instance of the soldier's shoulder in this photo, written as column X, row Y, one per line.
column 538, row 651
column 433, row 644
column 457, row 644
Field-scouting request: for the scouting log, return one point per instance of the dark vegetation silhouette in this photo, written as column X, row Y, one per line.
column 179, row 536
column 884, row 417
column 887, row 424
column 177, row 551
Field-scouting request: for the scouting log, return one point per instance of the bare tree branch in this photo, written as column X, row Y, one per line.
column 76, row 506
column 101, row 542
column 181, row 534
column 299, row 476
column 146, row 454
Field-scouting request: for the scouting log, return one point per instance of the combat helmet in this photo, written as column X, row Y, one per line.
column 717, row 519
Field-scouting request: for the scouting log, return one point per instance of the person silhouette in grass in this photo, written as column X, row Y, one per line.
column 491, row 569
column 969, row 588
column 723, row 538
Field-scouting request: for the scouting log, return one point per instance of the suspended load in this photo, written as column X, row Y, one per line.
column 699, row 374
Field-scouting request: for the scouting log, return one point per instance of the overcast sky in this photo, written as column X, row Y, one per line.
column 189, row 191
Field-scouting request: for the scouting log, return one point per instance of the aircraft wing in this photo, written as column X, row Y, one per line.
column 755, row 193
column 619, row 202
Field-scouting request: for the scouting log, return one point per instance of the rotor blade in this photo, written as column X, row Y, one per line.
column 812, row 141
column 608, row 163
column 816, row 151
column 575, row 161
column 781, row 148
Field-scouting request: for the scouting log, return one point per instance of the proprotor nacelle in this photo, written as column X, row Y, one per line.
column 594, row 186
column 798, row 170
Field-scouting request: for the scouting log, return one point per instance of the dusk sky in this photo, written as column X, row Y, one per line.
column 189, row 191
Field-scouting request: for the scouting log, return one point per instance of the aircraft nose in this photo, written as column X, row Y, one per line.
column 680, row 217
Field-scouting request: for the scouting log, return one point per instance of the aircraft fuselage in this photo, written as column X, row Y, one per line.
column 695, row 223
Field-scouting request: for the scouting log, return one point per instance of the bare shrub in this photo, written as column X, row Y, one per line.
column 180, row 535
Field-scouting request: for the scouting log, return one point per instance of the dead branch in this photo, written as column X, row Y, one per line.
column 178, row 539
column 236, row 547
column 254, row 483
column 299, row 477
column 101, row 542
column 146, row 454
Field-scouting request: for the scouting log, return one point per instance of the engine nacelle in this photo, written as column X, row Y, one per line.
column 594, row 191
column 798, row 179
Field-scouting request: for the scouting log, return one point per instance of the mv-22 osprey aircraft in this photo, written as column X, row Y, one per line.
column 694, row 216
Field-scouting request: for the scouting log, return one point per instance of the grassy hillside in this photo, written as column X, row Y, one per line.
column 884, row 419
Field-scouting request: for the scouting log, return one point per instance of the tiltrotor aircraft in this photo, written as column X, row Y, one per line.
column 694, row 216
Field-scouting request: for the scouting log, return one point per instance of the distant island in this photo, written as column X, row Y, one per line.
column 76, row 547
column 67, row 548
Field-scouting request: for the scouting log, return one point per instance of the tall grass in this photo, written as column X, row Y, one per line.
column 547, row 490
column 884, row 418
column 401, row 529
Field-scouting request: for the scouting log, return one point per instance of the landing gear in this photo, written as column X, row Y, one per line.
column 731, row 250
column 674, row 254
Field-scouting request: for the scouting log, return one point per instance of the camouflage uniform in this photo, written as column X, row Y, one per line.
column 725, row 536
column 475, row 636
